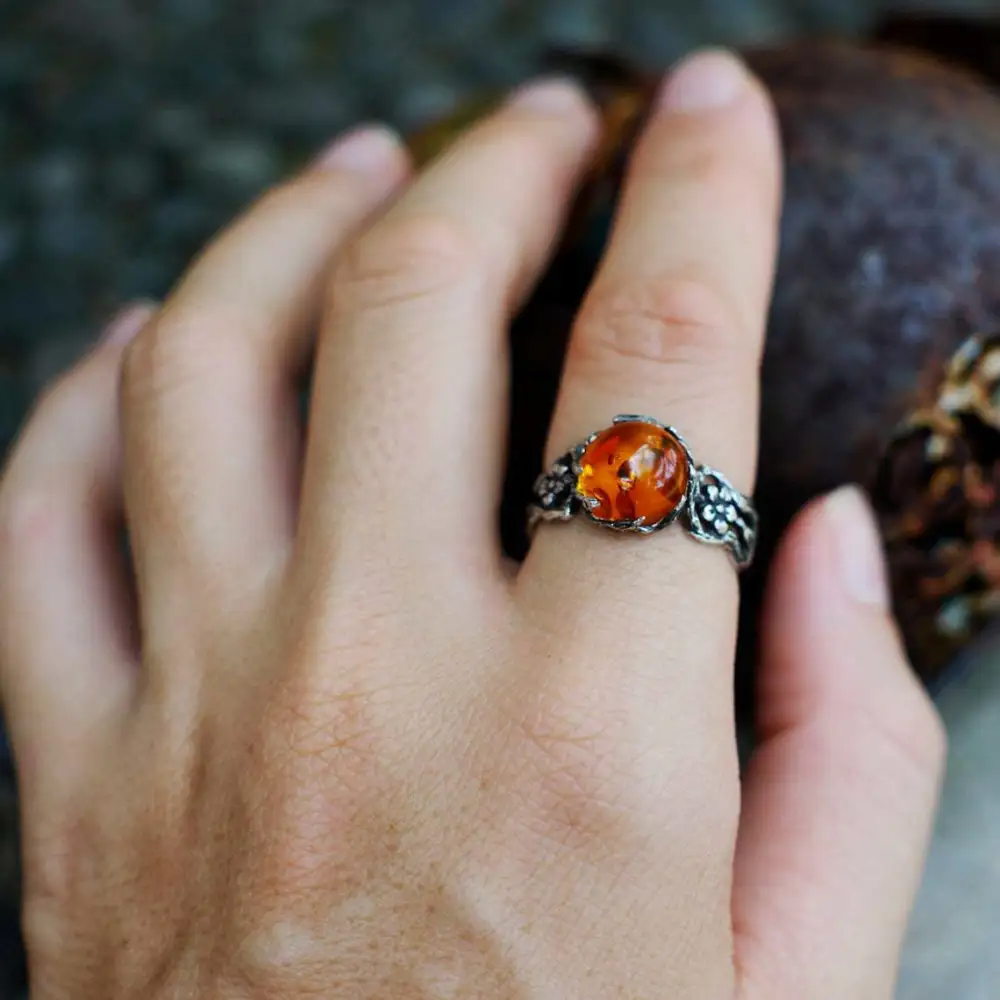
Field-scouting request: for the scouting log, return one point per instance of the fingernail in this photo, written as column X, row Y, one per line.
column 368, row 149
column 552, row 95
column 858, row 547
column 706, row 81
column 128, row 323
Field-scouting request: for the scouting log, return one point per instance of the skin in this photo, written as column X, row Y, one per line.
column 320, row 741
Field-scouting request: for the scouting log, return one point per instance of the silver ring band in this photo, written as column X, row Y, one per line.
column 638, row 476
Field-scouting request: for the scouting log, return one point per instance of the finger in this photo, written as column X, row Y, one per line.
column 672, row 328
column 66, row 630
column 211, row 423
column 842, row 790
column 407, row 435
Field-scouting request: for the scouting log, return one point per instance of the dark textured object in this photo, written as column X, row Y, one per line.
column 890, row 260
column 939, row 489
column 967, row 41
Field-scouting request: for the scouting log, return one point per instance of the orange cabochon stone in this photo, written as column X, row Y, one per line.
column 633, row 470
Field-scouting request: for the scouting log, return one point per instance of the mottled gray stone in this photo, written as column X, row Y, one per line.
column 59, row 176
column 130, row 175
column 243, row 163
column 587, row 23
column 436, row 96
column 74, row 232
column 657, row 38
column 453, row 21
column 18, row 61
column 10, row 240
column 182, row 217
column 144, row 276
column 280, row 52
column 176, row 126
column 304, row 111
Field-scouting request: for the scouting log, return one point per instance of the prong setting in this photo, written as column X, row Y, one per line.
column 711, row 508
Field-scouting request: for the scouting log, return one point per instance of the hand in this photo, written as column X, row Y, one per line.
column 325, row 743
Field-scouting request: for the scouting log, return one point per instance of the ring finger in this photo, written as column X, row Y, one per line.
column 672, row 327
column 404, row 461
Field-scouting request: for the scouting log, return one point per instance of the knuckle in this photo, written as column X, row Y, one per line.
column 581, row 783
column 571, row 777
column 404, row 260
column 670, row 319
column 177, row 348
column 280, row 954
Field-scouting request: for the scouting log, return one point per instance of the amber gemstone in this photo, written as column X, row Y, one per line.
column 633, row 470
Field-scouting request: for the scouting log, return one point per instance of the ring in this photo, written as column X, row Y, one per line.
column 638, row 475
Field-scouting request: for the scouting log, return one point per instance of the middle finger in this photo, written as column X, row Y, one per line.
column 404, row 458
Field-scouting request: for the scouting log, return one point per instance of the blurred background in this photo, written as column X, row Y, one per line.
column 130, row 130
